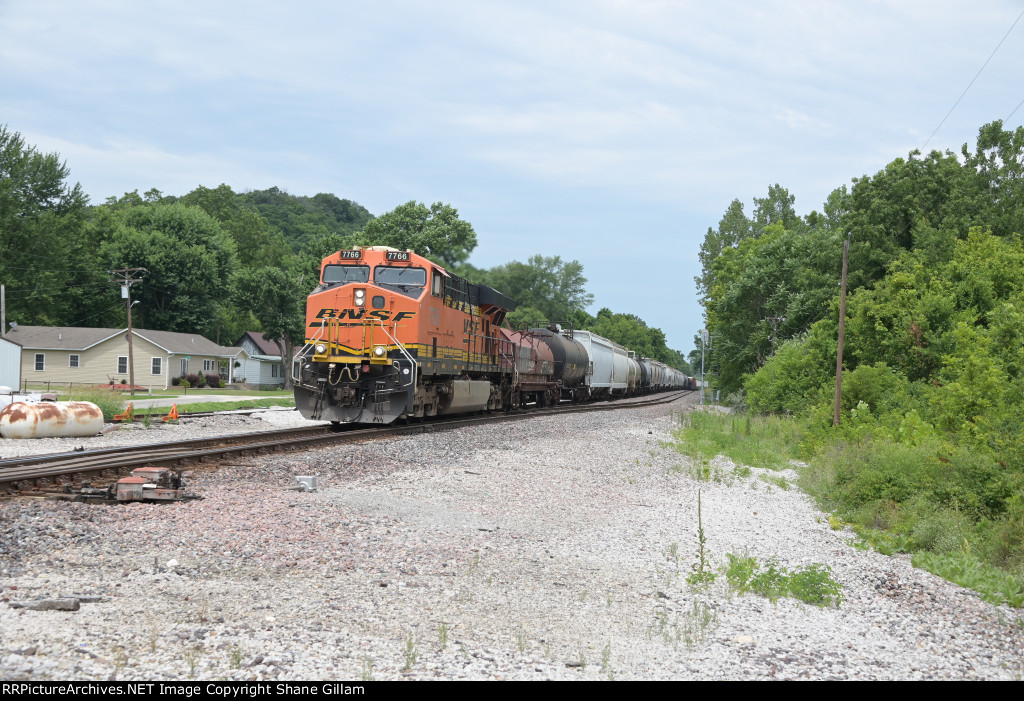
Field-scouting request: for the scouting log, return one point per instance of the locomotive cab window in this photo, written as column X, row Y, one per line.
column 334, row 274
column 406, row 281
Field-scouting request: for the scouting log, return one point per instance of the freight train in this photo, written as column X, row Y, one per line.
column 390, row 335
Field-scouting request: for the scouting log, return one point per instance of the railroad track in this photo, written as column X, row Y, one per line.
column 48, row 472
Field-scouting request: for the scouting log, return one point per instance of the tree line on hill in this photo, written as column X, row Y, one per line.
column 220, row 262
column 933, row 384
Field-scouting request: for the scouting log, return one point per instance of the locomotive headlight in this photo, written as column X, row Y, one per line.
column 360, row 297
column 379, row 351
column 320, row 349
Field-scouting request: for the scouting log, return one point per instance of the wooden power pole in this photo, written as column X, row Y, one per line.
column 126, row 280
column 842, row 332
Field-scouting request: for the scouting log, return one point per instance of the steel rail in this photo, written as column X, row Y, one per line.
column 46, row 470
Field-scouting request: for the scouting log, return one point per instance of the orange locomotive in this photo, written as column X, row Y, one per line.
column 390, row 334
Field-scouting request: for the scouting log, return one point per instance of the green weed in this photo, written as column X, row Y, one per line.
column 698, row 623
column 812, row 584
column 192, row 655
column 702, row 574
column 410, row 653
column 994, row 585
column 367, row 674
column 777, row 480
column 606, row 661
column 237, row 654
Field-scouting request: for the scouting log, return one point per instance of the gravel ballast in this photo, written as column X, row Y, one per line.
column 549, row 548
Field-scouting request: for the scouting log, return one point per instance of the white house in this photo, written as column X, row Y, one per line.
column 264, row 365
column 91, row 356
column 10, row 363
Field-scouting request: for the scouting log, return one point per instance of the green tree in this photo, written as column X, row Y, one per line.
column 47, row 264
column 256, row 242
column 555, row 287
column 733, row 228
column 300, row 219
column 189, row 260
column 436, row 232
column 778, row 207
column 767, row 290
column 997, row 167
column 276, row 298
column 633, row 332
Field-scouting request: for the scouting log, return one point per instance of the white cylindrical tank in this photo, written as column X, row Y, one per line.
column 50, row 420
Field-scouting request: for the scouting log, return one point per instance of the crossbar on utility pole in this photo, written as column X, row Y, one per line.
column 842, row 332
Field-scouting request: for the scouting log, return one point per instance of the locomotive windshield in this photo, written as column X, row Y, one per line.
column 346, row 273
column 408, row 281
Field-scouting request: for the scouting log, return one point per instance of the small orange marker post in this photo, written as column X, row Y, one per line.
column 173, row 416
column 128, row 414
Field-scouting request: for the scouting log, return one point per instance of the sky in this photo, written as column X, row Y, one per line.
column 609, row 132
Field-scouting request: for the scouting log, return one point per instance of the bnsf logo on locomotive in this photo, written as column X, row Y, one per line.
column 357, row 314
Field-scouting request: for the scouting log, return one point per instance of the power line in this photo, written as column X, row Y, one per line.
column 54, row 290
column 105, row 311
column 974, row 79
column 1014, row 110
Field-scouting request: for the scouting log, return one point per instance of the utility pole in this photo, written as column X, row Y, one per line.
column 126, row 280
column 775, row 321
column 703, row 342
column 842, row 332
column 3, row 311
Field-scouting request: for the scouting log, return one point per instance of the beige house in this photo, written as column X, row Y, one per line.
column 70, row 355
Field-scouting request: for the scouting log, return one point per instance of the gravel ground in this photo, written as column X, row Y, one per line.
column 550, row 548
column 226, row 423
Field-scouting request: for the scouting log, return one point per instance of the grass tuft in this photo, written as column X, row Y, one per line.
column 767, row 442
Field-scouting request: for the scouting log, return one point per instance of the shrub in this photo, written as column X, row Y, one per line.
column 175, row 381
column 183, row 383
column 212, row 380
column 195, row 380
column 941, row 531
column 108, row 401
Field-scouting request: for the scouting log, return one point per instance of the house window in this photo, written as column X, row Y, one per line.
column 73, row 360
column 273, row 370
column 184, row 366
column 209, row 365
column 122, row 364
column 40, row 362
column 158, row 366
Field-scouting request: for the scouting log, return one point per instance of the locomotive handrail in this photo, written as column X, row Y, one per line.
column 404, row 351
column 512, row 360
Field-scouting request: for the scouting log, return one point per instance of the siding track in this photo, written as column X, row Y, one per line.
column 52, row 472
